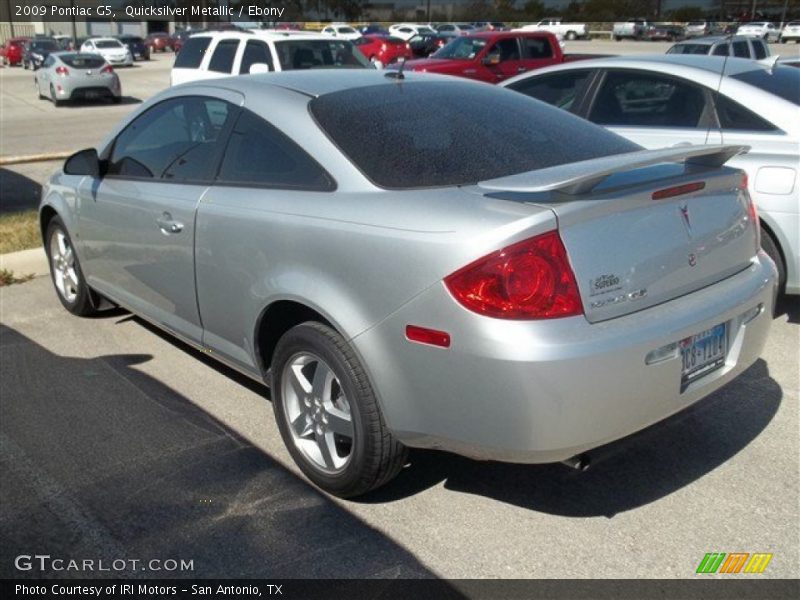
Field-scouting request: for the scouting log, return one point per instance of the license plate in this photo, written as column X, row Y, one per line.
column 703, row 353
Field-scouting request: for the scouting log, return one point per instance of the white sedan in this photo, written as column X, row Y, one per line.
column 342, row 31
column 114, row 51
column 763, row 29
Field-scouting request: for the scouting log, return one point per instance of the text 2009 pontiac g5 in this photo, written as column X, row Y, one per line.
column 418, row 262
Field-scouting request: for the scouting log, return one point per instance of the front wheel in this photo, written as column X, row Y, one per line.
column 328, row 414
column 65, row 271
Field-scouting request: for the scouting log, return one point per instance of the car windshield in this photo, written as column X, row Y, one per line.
column 319, row 54
column 404, row 144
column 462, row 47
column 108, row 44
column 44, row 46
column 346, row 30
column 82, row 61
column 781, row 81
column 689, row 49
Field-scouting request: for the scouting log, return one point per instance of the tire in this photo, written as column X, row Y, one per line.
column 617, row 38
column 571, row 36
column 361, row 452
column 768, row 245
column 116, row 99
column 65, row 271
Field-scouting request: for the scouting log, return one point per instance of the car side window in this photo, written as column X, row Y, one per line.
column 735, row 117
column 192, row 53
column 558, row 89
column 647, row 100
column 255, row 52
column 741, row 50
column 536, row 48
column 222, row 59
column 507, row 48
column 260, row 155
column 722, row 50
column 759, row 50
column 176, row 140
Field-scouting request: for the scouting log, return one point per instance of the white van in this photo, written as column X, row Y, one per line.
column 225, row 53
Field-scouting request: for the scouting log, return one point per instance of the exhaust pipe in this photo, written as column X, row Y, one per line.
column 579, row 462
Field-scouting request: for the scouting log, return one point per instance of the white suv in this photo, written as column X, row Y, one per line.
column 225, row 53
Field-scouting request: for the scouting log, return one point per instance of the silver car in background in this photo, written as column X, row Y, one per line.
column 493, row 277
column 66, row 76
column 660, row 100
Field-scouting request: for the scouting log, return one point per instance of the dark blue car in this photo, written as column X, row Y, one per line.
column 136, row 45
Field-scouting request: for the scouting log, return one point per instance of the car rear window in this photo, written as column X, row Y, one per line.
column 475, row 132
column 782, row 81
column 82, row 61
column 191, row 55
column 319, row 54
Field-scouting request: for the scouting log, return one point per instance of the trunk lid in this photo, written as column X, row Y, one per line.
column 632, row 244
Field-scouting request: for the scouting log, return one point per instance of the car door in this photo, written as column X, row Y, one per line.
column 654, row 110
column 136, row 224
column 245, row 226
column 501, row 60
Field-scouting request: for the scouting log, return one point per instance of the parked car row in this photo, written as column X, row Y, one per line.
column 642, row 29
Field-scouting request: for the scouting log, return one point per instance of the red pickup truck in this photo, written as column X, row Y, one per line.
column 493, row 56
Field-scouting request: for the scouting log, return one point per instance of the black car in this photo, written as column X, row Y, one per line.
column 426, row 44
column 37, row 50
column 138, row 49
column 666, row 32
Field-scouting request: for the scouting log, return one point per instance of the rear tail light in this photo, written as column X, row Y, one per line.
column 752, row 211
column 107, row 69
column 528, row 280
column 62, row 71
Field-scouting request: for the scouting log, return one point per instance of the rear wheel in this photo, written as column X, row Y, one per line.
column 328, row 414
column 65, row 271
column 769, row 246
column 571, row 35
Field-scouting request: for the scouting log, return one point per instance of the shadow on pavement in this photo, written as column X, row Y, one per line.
column 789, row 306
column 624, row 475
column 18, row 192
column 98, row 103
column 98, row 460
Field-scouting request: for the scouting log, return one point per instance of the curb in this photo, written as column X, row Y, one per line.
column 29, row 158
column 26, row 262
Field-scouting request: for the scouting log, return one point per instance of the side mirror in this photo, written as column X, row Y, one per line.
column 491, row 59
column 85, row 162
column 256, row 68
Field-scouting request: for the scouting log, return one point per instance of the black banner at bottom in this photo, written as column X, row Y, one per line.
column 390, row 589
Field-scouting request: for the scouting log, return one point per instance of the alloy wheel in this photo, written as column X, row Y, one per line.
column 317, row 412
column 65, row 274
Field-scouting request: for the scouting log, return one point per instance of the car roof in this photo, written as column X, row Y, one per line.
column 709, row 64
column 265, row 34
column 316, row 83
column 104, row 39
column 714, row 39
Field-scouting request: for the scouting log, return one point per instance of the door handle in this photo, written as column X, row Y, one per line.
column 168, row 225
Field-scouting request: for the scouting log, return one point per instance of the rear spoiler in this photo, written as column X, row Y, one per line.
column 582, row 177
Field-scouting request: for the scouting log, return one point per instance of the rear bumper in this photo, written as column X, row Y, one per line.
column 535, row 392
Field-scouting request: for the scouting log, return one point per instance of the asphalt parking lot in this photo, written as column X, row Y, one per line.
column 118, row 441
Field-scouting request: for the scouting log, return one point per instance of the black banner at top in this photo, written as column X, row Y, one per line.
column 512, row 11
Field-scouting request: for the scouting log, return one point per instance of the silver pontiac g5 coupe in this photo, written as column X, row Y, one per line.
column 418, row 261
